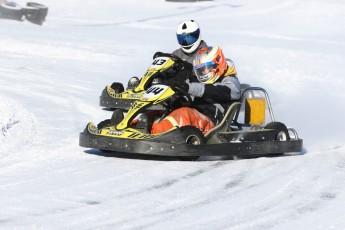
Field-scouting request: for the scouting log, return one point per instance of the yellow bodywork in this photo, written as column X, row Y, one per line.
column 149, row 98
column 154, row 68
column 128, row 94
column 111, row 131
column 152, row 96
column 158, row 65
column 128, row 133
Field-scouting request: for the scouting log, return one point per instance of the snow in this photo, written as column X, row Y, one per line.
column 51, row 77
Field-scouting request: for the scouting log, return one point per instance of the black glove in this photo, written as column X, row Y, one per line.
column 183, row 66
column 183, row 75
column 179, row 80
column 159, row 54
column 176, row 84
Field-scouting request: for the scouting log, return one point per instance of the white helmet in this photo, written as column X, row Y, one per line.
column 188, row 36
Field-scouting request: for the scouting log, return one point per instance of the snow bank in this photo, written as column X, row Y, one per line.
column 17, row 127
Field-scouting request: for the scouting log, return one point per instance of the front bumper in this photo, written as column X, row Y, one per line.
column 161, row 146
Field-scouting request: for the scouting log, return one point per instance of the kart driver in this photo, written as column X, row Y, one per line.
column 213, row 87
column 188, row 36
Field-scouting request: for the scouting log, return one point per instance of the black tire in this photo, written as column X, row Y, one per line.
column 118, row 87
column 193, row 136
column 35, row 13
column 116, row 117
column 281, row 132
column 31, row 13
column 11, row 11
column 104, row 124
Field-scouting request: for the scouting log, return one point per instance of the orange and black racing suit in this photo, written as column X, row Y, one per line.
column 209, row 105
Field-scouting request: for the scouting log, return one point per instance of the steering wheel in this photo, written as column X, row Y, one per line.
column 186, row 96
column 175, row 58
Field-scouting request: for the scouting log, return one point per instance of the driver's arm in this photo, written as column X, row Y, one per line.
column 228, row 89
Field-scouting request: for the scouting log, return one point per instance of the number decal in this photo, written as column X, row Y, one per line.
column 154, row 90
column 158, row 62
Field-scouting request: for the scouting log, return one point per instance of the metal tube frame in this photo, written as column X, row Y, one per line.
column 268, row 102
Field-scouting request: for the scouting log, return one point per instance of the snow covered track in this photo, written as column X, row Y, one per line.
column 51, row 77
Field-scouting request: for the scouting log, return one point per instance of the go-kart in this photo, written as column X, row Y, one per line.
column 164, row 66
column 229, row 138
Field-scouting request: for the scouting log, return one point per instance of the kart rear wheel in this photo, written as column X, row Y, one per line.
column 192, row 136
column 118, row 87
column 281, row 132
column 35, row 13
column 11, row 10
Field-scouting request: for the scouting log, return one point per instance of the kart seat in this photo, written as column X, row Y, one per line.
column 224, row 125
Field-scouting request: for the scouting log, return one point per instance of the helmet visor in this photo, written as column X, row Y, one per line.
column 203, row 69
column 187, row 39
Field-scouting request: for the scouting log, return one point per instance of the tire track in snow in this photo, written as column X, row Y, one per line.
column 77, row 206
column 230, row 188
column 155, row 216
column 174, row 181
column 295, row 199
column 267, row 211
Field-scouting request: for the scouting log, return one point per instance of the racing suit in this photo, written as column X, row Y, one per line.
column 210, row 103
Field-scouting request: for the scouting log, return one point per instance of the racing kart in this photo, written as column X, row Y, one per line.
column 230, row 137
column 164, row 66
